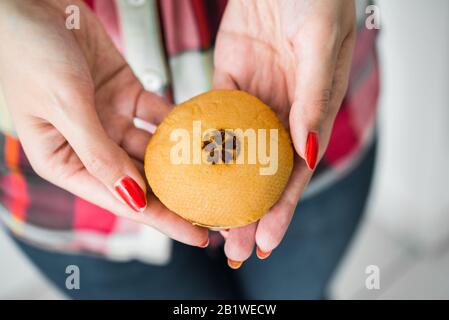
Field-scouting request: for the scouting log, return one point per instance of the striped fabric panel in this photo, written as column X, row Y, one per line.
column 49, row 206
column 190, row 24
column 13, row 190
column 141, row 40
column 208, row 15
column 197, row 63
column 190, row 29
column 106, row 12
column 27, row 196
column 88, row 216
column 6, row 125
column 202, row 23
column 180, row 36
column 3, row 168
column 90, row 3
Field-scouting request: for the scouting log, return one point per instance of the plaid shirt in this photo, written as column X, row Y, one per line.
column 169, row 46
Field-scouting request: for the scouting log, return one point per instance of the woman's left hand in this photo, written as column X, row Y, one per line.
column 294, row 55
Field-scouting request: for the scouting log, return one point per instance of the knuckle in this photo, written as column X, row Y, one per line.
column 107, row 166
column 95, row 164
column 68, row 101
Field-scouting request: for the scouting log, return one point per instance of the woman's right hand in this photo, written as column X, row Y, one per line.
column 73, row 99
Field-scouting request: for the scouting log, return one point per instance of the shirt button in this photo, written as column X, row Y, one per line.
column 136, row 3
column 152, row 81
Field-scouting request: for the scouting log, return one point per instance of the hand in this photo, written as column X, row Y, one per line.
column 73, row 99
column 294, row 55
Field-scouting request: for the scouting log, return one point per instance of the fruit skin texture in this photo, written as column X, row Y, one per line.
column 220, row 195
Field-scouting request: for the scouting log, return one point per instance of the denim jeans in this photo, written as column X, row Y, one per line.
column 299, row 268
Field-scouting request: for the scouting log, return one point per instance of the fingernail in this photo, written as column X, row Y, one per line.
column 262, row 255
column 234, row 264
column 131, row 193
column 311, row 149
column 204, row 244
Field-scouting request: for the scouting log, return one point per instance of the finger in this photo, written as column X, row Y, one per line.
column 169, row 223
column 272, row 226
column 224, row 81
column 135, row 141
column 139, row 166
column 240, row 244
column 341, row 79
column 150, row 111
column 103, row 158
column 155, row 215
column 151, row 107
column 342, row 73
column 311, row 108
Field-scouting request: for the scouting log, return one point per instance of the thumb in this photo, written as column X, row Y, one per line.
column 312, row 108
column 100, row 155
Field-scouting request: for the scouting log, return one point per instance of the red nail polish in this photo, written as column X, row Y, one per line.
column 312, row 149
column 234, row 264
column 131, row 193
column 261, row 254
